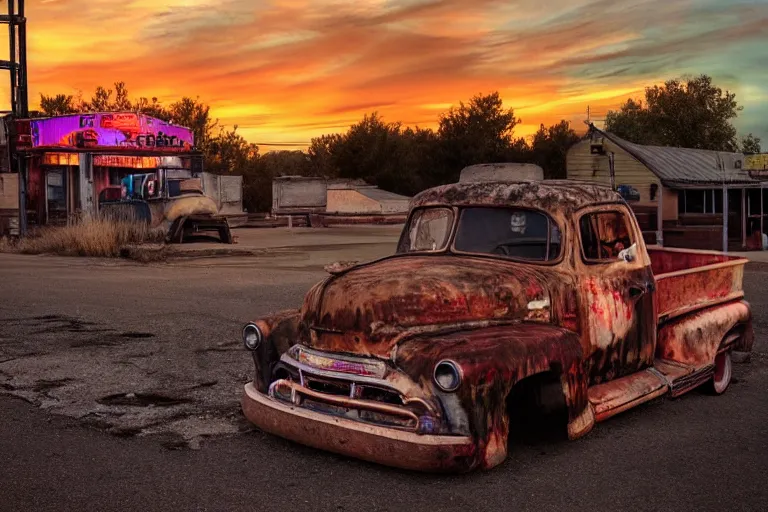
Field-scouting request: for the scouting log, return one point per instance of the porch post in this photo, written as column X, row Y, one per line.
column 743, row 217
column 86, row 183
column 761, row 215
column 660, row 216
column 725, row 218
column 22, row 170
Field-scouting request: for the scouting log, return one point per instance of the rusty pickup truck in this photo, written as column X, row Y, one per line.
column 504, row 303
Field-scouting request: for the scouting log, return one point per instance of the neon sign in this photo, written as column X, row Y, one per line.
column 109, row 130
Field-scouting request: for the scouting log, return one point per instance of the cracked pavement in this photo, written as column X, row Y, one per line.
column 154, row 349
column 128, row 366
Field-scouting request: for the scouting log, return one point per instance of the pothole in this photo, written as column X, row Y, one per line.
column 142, row 400
column 41, row 386
column 132, row 334
column 50, row 318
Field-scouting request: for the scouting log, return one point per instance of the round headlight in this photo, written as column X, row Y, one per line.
column 447, row 375
column 252, row 336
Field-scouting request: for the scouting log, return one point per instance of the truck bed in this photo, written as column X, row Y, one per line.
column 688, row 280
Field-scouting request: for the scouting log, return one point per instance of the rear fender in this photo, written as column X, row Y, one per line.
column 696, row 339
column 492, row 360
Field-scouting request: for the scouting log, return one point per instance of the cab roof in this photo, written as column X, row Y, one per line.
column 550, row 195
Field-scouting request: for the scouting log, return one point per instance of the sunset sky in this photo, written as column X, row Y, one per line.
column 289, row 70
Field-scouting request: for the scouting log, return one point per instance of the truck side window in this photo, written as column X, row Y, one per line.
column 604, row 235
column 428, row 230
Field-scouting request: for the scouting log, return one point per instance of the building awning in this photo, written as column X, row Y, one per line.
column 58, row 158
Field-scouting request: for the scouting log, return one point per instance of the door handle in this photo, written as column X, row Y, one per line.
column 635, row 292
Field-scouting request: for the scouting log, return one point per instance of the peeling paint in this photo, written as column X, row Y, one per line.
column 590, row 327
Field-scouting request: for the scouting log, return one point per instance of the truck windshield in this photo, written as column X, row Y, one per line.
column 509, row 232
column 515, row 233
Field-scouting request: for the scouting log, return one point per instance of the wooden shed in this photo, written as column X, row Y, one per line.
column 678, row 194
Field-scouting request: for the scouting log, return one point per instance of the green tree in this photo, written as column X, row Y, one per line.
column 419, row 164
column 480, row 131
column 259, row 173
column 550, row 146
column 196, row 115
column 322, row 153
column 103, row 101
column 367, row 148
column 750, row 144
column 151, row 108
column 58, row 105
column 690, row 113
column 229, row 153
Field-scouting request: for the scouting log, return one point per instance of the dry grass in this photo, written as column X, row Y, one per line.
column 97, row 238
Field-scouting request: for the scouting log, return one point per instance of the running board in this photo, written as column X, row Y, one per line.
column 619, row 395
column 681, row 377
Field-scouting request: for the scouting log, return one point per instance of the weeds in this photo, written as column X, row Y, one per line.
column 97, row 238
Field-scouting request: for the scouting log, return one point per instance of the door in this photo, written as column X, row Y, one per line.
column 55, row 197
column 617, row 294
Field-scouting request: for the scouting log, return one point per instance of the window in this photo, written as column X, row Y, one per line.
column 428, row 230
column 604, row 235
column 511, row 232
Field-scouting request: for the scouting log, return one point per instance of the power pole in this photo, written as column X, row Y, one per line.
column 17, row 68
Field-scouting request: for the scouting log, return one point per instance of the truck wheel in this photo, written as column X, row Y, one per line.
column 723, row 373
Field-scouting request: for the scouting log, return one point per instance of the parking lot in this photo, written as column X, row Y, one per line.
column 121, row 383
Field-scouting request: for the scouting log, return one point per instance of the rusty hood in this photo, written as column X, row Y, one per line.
column 368, row 309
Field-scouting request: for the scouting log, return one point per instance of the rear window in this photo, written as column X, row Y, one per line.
column 508, row 232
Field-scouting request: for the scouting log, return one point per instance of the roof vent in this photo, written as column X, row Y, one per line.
column 501, row 172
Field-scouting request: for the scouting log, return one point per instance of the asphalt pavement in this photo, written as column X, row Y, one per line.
column 119, row 389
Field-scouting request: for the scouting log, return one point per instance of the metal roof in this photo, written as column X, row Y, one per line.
column 566, row 196
column 381, row 195
column 685, row 166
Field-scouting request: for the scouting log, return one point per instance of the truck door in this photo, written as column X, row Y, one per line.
column 616, row 294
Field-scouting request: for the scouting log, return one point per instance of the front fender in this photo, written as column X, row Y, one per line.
column 492, row 361
column 280, row 331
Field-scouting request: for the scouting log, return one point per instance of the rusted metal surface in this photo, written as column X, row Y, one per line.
column 688, row 281
column 369, row 309
column 695, row 339
column 619, row 395
column 356, row 364
column 558, row 197
column 355, row 439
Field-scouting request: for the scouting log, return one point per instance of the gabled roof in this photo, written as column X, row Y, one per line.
column 685, row 166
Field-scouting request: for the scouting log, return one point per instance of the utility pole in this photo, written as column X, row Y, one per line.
column 17, row 68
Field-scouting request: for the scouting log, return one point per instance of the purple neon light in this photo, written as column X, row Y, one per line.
column 108, row 129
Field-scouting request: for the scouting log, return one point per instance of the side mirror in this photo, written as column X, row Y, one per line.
column 629, row 254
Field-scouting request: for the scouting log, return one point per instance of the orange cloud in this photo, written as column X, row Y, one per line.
column 289, row 70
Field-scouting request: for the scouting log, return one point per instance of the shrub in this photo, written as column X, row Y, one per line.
column 98, row 238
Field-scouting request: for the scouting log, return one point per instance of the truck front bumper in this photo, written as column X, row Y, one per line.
column 391, row 447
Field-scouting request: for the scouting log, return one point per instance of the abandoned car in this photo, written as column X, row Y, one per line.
column 504, row 301
column 176, row 205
